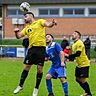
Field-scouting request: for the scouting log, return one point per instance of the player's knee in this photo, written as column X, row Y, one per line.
column 27, row 67
column 63, row 80
column 80, row 80
column 48, row 76
column 39, row 69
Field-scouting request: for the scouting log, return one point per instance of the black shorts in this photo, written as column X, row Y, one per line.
column 82, row 72
column 35, row 55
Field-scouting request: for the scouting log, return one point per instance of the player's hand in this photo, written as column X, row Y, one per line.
column 65, row 54
column 16, row 30
column 63, row 64
column 54, row 22
column 46, row 59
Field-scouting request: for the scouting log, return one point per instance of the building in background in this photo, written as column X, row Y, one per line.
column 1, row 32
column 70, row 14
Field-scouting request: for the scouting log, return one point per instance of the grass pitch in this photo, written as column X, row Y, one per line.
column 10, row 71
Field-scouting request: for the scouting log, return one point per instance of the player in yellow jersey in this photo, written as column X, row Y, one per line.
column 35, row 30
column 82, row 67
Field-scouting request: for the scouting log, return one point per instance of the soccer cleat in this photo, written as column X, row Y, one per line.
column 85, row 94
column 17, row 89
column 89, row 95
column 35, row 92
column 51, row 94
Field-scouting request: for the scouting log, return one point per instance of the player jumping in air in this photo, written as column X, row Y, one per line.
column 35, row 31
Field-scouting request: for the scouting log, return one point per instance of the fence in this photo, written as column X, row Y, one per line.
column 11, row 51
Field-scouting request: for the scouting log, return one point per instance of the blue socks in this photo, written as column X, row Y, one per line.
column 65, row 88
column 49, row 85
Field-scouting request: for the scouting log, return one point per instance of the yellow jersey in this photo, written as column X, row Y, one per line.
column 82, row 60
column 36, row 33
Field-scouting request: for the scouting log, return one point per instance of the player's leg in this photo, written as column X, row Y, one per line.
column 84, row 84
column 50, row 74
column 38, row 79
column 23, row 77
column 62, row 75
column 81, row 75
column 24, row 74
column 39, row 60
column 64, row 85
column 49, row 84
column 39, row 75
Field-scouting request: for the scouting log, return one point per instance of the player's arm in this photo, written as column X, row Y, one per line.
column 71, row 57
column 62, row 58
column 18, row 34
column 50, row 24
column 77, row 53
column 46, row 57
column 61, row 53
column 65, row 54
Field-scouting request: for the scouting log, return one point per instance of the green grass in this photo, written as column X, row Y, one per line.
column 10, row 71
column 15, row 41
column 11, row 42
column 92, row 53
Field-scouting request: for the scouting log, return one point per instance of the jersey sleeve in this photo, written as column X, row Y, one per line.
column 24, row 31
column 42, row 22
column 58, row 47
column 79, row 47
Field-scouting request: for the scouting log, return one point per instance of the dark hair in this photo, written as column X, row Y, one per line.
column 78, row 33
column 29, row 13
column 50, row 35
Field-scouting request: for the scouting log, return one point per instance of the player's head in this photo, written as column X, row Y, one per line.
column 28, row 16
column 49, row 38
column 64, row 38
column 76, row 35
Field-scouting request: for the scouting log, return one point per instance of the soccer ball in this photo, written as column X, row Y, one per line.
column 25, row 7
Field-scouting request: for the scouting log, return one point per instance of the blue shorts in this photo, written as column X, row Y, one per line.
column 57, row 72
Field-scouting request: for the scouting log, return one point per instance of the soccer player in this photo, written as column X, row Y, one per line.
column 35, row 30
column 56, row 55
column 82, row 67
